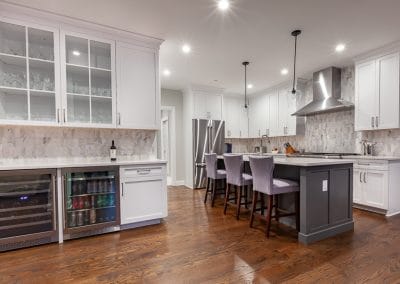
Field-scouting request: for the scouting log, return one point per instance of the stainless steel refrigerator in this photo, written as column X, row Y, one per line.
column 208, row 137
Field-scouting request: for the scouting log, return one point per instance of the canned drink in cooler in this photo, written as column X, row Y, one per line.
column 72, row 219
column 92, row 216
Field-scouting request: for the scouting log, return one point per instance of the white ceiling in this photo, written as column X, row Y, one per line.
column 254, row 30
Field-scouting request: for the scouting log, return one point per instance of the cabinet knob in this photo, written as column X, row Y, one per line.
column 376, row 121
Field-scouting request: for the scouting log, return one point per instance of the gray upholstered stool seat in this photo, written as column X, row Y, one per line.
column 213, row 176
column 236, row 178
column 262, row 169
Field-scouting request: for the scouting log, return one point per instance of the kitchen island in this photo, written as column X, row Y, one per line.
column 326, row 194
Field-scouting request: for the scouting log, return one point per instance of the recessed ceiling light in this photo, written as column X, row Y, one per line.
column 340, row 47
column 223, row 5
column 186, row 48
column 76, row 53
column 166, row 72
column 284, row 71
column 250, row 86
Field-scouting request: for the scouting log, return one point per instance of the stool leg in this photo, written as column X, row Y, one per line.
column 276, row 208
column 269, row 214
column 239, row 198
column 262, row 203
column 253, row 207
column 214, row 188
column 228, row 189
column 246, row 197
column 297, row 209
column 207, row 186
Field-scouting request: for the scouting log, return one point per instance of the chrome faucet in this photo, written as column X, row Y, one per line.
column 261, row 143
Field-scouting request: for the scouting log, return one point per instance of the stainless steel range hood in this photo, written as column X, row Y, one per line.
column 326, row 93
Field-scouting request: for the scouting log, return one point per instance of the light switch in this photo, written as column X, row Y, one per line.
column 325, row 185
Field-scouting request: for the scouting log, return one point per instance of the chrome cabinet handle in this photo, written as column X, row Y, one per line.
column 240, row 133
column 64, row 116
column 376, row 121
column 365, row 180
column 119, row 118
column 361, row 177
column 143, row 171
column 122, row 189
column 58, row 115
column 372, row 122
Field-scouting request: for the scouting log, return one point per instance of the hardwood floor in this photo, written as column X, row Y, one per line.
column 198, row 244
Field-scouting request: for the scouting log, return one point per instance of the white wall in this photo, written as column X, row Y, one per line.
column 188, row 136
column 174, row 98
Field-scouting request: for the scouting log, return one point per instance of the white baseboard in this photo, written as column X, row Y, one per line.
column 179, row 183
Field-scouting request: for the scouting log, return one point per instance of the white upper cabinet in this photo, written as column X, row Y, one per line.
column 63, row 72
column 87, row 80
column 137, row 87
column 231, row 117
column 258, row 116
column 377, row 93
column 207, row 106
column 275, row 128
column 235, row 117
column 29, row 74
column 388, row 70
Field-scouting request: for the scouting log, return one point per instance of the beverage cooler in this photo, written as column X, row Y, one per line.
column 28, row 208
column 91, row 201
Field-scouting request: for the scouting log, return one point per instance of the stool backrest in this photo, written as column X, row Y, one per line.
column 211, row 165
column 262, row 169
column 234, row 168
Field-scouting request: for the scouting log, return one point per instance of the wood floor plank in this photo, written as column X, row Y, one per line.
column 199, row 244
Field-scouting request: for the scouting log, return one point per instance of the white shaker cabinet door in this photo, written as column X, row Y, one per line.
column 275, row 130
column 366, row 100
column 388, row 68
column 137, row 87
column 376, row 188
column 142, row 201
column 358, row 186
column 231, row 117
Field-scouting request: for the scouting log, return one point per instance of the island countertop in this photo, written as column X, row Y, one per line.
column 302, row 162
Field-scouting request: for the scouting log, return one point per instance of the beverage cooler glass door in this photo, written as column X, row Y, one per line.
column 27, row 208
column 91, row 199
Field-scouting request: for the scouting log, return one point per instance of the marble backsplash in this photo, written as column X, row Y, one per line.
column 330, row 132
column 59, row 142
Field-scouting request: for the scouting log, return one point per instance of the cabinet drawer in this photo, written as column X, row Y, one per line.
column 372, row 165
column 142, row 172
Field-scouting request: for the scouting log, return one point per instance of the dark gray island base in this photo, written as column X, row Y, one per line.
column 326, row 195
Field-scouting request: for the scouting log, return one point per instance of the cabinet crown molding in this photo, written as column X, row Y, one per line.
column 378, row 52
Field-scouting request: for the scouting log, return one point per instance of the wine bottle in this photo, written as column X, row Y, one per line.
column 113, row 152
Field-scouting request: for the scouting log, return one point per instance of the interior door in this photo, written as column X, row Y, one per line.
column 367, row 100
column 388, row 92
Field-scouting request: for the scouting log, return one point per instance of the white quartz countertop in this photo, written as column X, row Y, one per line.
column 303, row 162
column 382, row 158
column 54, row 163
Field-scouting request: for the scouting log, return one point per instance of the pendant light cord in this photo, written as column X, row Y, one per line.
column 294, row 65
column 245, row 63
column 295, row 33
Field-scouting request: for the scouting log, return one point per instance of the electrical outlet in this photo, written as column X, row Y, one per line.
column 325, row 185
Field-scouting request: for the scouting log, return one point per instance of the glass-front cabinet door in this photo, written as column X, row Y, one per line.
column 89, row 77
column 28, row 74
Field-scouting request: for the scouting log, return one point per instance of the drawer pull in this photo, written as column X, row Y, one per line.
column 143, row 171
column 365, row 179
column 360, row 177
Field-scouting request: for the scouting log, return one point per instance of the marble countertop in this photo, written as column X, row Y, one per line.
column 303, row 162
column 56, row 163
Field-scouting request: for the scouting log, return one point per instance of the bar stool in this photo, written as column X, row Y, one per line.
column 262, row 169
column 236, row 177
column 213, row 175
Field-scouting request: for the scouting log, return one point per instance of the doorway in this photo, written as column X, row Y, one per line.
column 167, row 142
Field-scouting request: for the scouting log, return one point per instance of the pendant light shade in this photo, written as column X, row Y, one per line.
column 245, row 64
column 295, row 33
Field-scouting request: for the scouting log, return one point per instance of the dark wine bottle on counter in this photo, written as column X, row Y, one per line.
column 113, row 152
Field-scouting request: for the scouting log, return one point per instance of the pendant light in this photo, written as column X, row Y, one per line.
column 245, row 64
column 295, row 33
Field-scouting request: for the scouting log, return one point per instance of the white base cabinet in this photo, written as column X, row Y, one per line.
column 375, row 186
column 143, row 193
